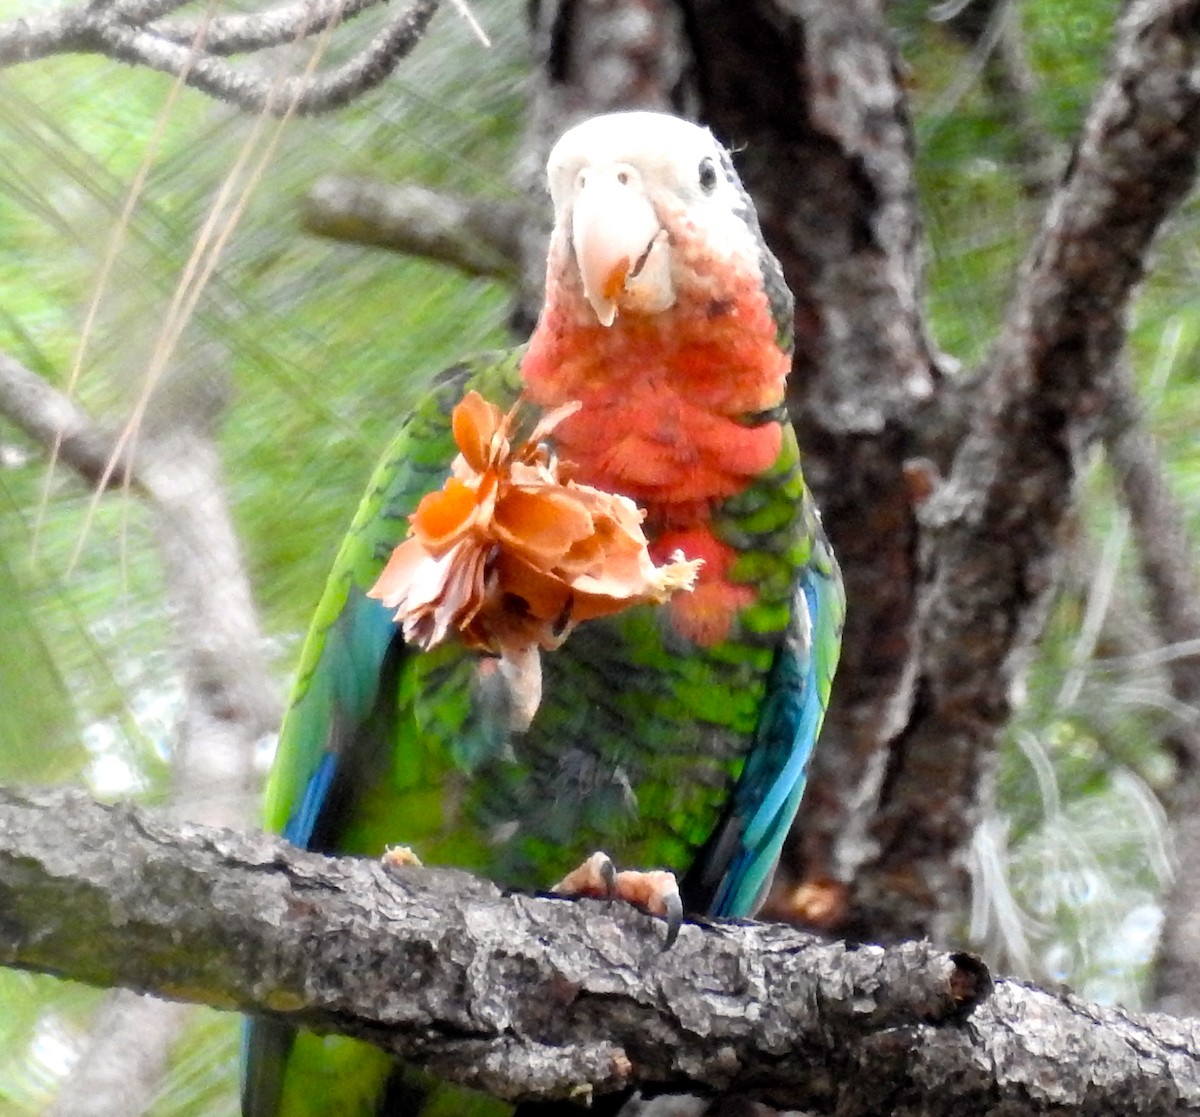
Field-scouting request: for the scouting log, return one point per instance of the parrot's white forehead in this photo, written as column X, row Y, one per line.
column 662, row 147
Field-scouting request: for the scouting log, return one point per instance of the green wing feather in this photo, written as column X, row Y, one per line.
column 339, row 676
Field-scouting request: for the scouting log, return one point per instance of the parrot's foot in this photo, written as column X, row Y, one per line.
column 657, row 891
column 396, row 856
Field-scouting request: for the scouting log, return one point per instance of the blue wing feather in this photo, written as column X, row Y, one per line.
column 340, row 695
column 301, row 825
column 735, row 869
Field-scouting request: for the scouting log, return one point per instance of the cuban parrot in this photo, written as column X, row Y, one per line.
column 674, row 735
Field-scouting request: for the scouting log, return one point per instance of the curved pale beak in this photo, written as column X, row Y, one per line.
column 622, row 251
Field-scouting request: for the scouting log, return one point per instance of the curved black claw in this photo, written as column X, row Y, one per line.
column 673, row 915
column 607, row 871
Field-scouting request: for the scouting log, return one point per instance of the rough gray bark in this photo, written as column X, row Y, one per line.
column 527, row 996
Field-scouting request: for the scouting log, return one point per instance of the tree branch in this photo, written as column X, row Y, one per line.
column 528, row 997
column 47, row 416
column 1168, row 564
column 107, row 31
column 1168, row 560
column 244, row 33
column 480, row 236
column 67, row 30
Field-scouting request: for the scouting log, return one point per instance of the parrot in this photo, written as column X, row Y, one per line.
column 673, row 735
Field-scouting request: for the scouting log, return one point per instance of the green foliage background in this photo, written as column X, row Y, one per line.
column 323, row 347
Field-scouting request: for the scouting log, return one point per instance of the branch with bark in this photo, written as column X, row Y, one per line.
column 52, row 419
column 479, row 236
column 541, row 997
column 139, row 34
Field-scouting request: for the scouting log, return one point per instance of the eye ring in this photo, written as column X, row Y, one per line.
column 708, row 175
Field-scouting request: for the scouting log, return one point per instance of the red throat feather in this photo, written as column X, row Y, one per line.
column 665, row 399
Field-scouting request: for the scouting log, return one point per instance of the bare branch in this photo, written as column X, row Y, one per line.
column 103, row 31
column 1168, row 560
column 480, row 236
column 67, row 30
column 39, row 36
column 244, row 33
column 178, row 470
column 45, row 414
column 530, row 997
column 323, row 92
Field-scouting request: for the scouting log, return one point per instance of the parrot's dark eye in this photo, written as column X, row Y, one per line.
column 708, row 175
